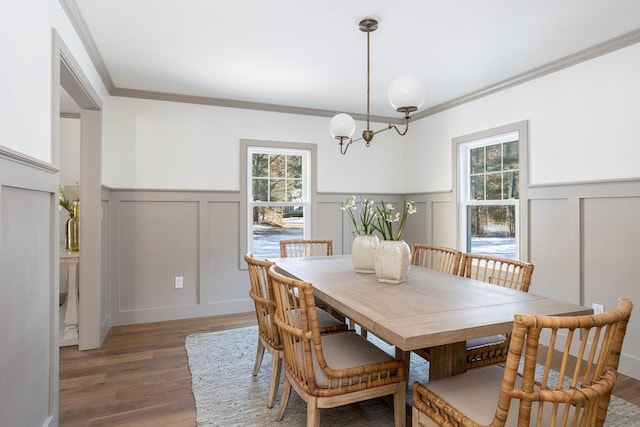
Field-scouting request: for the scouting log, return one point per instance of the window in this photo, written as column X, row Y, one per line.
column 278, row 205
column 489, row 191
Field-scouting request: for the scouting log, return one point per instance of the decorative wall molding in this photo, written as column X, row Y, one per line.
column 584, row 189
column 23, row 159
column 78, row 23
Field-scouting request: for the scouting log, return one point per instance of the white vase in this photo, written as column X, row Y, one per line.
column 363, row 251
column 393, row 258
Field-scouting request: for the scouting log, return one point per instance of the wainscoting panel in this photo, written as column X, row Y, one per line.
column 224, row 285
column 156, row 235
column 29, row 286
column 25, row 303
column 585, row 243
column 158, row 241
column 329, row 226
column 611, row 257
column 105, row 263
column 555, row 249
column 435, row 221
column 443, row 227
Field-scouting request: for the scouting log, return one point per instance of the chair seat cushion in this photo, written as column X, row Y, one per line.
column 346, row 350
column 327, row 321
column 481, row 342
column 475, row 394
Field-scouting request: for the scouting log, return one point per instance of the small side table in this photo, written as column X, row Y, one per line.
column 70, row 334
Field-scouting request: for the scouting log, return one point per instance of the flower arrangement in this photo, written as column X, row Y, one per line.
column 364, row 223
column 64, row 202
column 385, row 219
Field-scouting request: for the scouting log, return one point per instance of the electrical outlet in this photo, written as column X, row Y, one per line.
column 597, row 308
column 179, row 282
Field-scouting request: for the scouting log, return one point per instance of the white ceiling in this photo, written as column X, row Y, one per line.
column 311, row 54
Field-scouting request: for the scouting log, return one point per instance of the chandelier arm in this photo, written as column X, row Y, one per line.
column 341, row 126
column 344, row 146
column 403, row 133
column 390, row 126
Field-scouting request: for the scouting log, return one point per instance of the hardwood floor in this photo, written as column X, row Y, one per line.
column 140, row 376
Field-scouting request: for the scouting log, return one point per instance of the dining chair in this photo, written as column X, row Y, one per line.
column 306, row 247
column 505, row 272
column 562, row 390
column 268, row 334
column 509, row 273
column 314, row 247
column 330, row 370
column 438, row 258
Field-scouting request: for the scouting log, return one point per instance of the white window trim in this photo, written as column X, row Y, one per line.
column 496, row 135
column 245, row 187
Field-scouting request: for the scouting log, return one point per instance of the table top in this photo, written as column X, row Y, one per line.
column 431, row 308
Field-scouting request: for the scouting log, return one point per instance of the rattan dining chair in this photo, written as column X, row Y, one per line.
column 561, row 391
column 332, row 370
column 314, row 247
column 306, row 247
column 438, row 258
column 268, row 334
column 509, row 273
column 505, row 272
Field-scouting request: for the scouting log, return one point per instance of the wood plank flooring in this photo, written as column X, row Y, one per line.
column 140, row 376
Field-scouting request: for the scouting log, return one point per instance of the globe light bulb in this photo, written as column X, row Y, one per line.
column 342, row 126
column 406, row 93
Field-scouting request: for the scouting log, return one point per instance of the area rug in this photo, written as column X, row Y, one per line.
column 227, row 395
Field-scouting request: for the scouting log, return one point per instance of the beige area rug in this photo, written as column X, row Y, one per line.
column 227, row 395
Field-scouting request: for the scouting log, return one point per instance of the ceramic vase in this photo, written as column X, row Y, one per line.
column 393, row 258
column 363, row 251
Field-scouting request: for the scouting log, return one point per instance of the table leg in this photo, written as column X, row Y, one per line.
column 71, row 315
column 447, row 360
column 406, row 356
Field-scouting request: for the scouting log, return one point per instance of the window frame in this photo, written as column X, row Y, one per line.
column 461, row 146
column 247, row 147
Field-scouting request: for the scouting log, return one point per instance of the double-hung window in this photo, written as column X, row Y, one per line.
column 489, row 182
column 278, row 205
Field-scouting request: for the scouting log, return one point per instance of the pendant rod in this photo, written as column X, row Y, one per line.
column 368, row 80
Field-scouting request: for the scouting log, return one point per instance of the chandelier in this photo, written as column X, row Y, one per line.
column 405, row 93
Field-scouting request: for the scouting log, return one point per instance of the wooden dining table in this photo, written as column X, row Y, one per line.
column 431, row 309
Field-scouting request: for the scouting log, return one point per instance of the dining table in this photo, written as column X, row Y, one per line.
column 430, row 310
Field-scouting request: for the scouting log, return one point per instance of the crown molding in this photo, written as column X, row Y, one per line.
column 246, row 105
column 600, row 49
column 608, row 46
column 73, row 13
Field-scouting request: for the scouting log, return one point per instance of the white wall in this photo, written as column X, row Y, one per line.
column 155, row 144
column 584, row 125
column 69, row 151
column 25, row 74
column 28, row 187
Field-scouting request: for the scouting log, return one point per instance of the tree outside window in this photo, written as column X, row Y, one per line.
column 489, row 195
column 279, row 200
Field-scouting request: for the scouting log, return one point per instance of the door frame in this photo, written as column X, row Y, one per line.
column 67, row 73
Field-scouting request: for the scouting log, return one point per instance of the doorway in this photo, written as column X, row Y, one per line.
column 92, row 317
